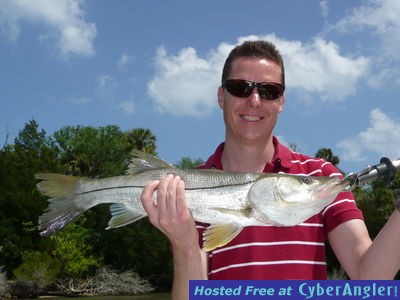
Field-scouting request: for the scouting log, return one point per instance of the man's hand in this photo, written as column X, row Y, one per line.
column 170, row 213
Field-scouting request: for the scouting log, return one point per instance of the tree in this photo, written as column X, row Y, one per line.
column 92, row 152
column 327, row 154
column 3, row 283
column 38, row 267
column 75, row 252
column 81, row 247
column 187, row 163
column 20, row 203
column 141, row 139
column 105, row 152
column 376, row 200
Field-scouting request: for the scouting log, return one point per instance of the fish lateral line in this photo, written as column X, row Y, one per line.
column 187, row 189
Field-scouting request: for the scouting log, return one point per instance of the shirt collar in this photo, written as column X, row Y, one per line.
column 280, row 161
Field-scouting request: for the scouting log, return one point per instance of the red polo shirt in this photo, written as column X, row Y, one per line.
column 270, row 252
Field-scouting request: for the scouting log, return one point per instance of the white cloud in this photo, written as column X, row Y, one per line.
column 106, row 87
column 80, row 100
column 378, row 22
column 124, row 61
column 128, row 107
column 319, row 68
column 382, row 16
column 106, row 81
column 64, row 19
column 381, row 137
column 324, row 8
column 186, row 84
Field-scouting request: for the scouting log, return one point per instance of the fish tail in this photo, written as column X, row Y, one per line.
column 62, row 208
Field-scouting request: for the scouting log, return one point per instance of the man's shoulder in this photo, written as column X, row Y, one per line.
column 314, row 166
column 214, row 161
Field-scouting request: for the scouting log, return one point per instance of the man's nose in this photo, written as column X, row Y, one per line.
column 254, row 99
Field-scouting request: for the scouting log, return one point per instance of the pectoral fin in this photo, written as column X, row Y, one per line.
column 122, row 215
column 219, row 235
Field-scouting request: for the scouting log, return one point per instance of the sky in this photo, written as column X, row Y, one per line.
column 157, row 65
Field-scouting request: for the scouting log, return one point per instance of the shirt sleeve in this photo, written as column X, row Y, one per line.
column 343, row 208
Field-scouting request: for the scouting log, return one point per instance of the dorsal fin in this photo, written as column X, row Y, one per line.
column 142, row 161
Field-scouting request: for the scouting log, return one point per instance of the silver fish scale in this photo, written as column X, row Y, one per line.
column 221, row 205
column 193, row 179
column 212, row 196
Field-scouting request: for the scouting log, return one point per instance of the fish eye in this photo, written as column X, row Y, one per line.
column 307, row 180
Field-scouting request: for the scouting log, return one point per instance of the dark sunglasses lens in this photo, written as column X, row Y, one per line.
column 269, row 91
column 238, row 88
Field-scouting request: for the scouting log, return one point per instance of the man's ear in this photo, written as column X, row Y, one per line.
column 282, row 103
column 220, row 95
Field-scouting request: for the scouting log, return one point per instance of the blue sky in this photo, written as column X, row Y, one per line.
column 157, row 65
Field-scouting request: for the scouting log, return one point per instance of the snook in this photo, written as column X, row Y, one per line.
column 228, row 201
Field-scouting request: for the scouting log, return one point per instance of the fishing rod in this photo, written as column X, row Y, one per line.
column 385, row 170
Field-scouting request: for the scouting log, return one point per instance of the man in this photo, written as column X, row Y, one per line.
column 251, row 97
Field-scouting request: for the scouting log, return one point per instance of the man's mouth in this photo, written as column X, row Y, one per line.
column 251, row 118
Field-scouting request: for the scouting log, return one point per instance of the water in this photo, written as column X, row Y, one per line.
column 150, row 296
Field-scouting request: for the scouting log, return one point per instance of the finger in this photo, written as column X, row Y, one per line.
column 147, row 199
column 181, row 203
column 171, row 195
column 162, row 192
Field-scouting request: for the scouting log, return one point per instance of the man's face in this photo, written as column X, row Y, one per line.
column 250, row 120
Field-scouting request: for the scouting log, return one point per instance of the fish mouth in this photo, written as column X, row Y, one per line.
column 337, row 186
column 345, row 185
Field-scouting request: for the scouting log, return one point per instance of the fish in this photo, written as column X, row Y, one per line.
column 228, row 201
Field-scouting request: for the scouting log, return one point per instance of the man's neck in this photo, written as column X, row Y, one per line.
column 247, row 158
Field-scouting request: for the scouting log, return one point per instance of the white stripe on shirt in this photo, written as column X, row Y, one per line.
column 268, row 244
column 264, row 263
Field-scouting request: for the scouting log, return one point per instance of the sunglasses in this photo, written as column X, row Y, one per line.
column 243, row 88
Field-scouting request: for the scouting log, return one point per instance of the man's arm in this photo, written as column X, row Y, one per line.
column 188, row 264
column 363, row 259
column 171, row 215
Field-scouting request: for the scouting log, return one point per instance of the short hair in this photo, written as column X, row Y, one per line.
column 258, row 49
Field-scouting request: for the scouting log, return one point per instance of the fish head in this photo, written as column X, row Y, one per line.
column 306, row 189
column 287, row 200
column 328, row 189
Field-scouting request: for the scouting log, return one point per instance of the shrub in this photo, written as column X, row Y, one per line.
column 38, row 267
column 107, row 282
column 3, row 282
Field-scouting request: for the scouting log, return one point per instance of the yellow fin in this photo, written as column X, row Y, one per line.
column 57, row 185
column 63, row 207
column 219, row 235
column 122, row 215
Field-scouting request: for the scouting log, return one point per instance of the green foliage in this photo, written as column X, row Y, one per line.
column 92, row 152
column 82, row 247
column 187, row 163
column 74, row 251
column 3, row 282
column 327, row 154
column 139, row 247
column 140, row 139
column 38, row 267
column 20, row 203
column 377, row 203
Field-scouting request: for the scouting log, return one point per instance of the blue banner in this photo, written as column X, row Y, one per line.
column 294, row 289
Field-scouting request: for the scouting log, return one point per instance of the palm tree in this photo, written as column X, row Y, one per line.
column 327, row 154
column 141, row 139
